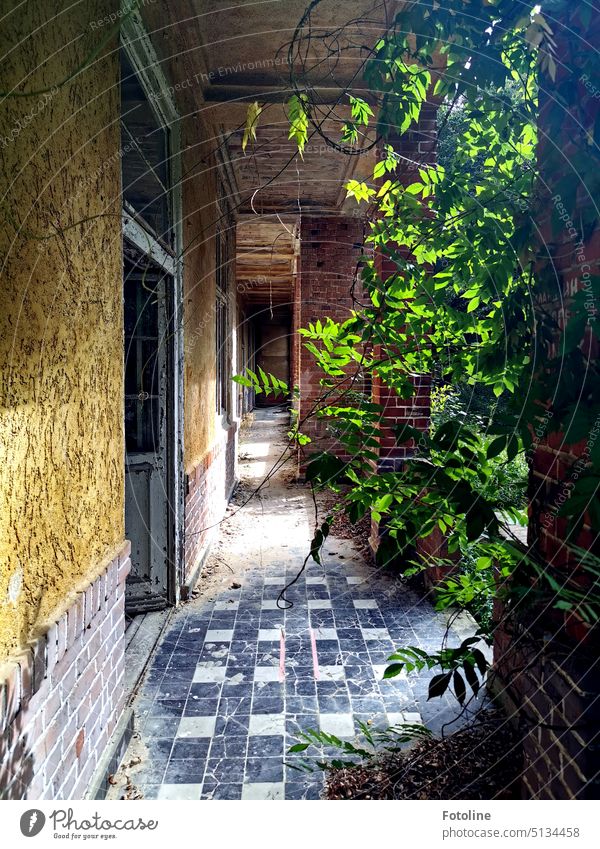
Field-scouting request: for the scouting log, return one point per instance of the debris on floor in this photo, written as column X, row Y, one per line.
column 342, row 527
column 481, row 761
column 122, row 784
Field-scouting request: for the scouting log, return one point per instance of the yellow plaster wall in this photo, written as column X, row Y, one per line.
column 199, row 193
column 199, row 216
column 61, row 334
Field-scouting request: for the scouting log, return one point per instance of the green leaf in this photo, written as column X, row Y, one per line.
column 359, row 190
column 496, row 447
column 243, row 381
column 325, row 468
column 404, row 432
column 438, row 685
column 512, row 448
column 379, row 170
column 480, row 660
column 471, row 676
column 393, row 670
column 252, row 115
column 299, row 747
column 298, row 117
column 460, row 689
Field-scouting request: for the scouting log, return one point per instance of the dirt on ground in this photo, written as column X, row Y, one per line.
column 221, row 569
column 481, row 761
column 342, row 528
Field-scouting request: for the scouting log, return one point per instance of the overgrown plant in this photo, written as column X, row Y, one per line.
column 467, row 297
column 374, row 742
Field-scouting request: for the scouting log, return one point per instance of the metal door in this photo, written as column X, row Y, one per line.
column 147, row 365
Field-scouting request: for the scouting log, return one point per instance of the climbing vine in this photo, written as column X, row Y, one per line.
column 470, row 297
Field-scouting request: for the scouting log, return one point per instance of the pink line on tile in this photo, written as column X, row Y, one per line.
column 313, row 643
column 281, row 655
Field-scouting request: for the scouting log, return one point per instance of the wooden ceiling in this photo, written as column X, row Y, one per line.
column 266, row 259
column 221, row 56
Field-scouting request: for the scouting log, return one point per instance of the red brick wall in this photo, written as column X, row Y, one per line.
column 417, row 148
column 296, row 317
column 548, row 663
column 573, row 258
column 62, row 696
column 329, row 252
column 330, row 248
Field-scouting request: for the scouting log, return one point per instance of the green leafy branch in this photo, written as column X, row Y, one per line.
column 462, row 666
column 376, row 742
column 261, row 383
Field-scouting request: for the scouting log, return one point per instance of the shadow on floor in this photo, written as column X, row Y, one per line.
column 235, row 678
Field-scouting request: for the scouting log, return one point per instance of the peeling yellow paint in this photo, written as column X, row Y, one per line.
column 61, row 333
column 199, row 215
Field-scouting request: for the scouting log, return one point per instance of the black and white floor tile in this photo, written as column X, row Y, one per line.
column 234, row 681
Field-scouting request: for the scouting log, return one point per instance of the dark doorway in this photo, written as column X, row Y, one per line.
column 272, row 330
column 147, row 294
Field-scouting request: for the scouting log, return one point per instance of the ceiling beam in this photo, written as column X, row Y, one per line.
column 322, row 95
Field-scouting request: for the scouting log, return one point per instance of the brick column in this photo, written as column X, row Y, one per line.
column 547, row 663
column 329, row 252
column 418, row 148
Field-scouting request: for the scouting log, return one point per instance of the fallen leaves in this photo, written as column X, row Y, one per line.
column 482, row 761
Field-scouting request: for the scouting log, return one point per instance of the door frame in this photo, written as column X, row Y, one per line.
column 144, row 61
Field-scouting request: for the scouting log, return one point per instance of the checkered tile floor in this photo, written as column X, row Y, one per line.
column 234, row 680
column 232, row 684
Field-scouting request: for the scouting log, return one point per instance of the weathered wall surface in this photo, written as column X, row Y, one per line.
column 61, row 334
column 199, row 215
column 62, row 697
column 273, row 351
column 210, row 444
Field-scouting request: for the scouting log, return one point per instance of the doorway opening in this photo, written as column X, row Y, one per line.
column 153, row 352
column 149, row 401
column 272, row 333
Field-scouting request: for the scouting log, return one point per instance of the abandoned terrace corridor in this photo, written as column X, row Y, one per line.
column 235, row 678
